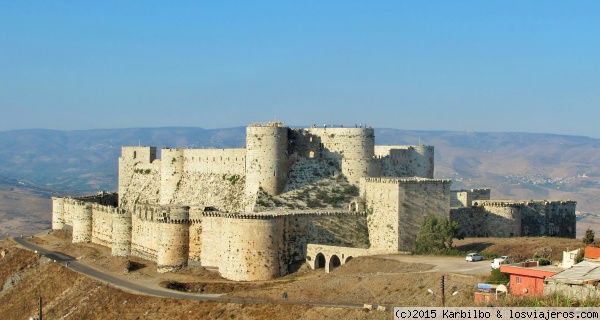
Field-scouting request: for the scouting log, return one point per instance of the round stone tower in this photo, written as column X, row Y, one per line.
column 82, row 222
column 121, row 233
column 354, row 148
column 504, row 218
column 171, row 173
column 424, row 163
column 58, row 213
column 174, row 238
column 358, row 154
column 266, row 158
column 252, row 249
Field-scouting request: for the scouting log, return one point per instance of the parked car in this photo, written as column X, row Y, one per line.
column 500, row 261
column 472, row 257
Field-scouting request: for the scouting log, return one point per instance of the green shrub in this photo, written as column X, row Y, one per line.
column 498, row 277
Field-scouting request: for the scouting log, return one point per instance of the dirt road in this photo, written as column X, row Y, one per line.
column 445, row 264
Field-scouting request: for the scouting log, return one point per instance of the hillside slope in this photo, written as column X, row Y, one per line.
column 69, row 295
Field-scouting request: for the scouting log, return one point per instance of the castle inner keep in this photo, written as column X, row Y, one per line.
column 253, row 212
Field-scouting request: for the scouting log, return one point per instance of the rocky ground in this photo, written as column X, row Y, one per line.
column 380, row 280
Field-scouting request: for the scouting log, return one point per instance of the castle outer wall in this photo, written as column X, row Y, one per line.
column 398, row 207
column 229, row 179
column 263, row 246
column 509, row 218
column 198, row 205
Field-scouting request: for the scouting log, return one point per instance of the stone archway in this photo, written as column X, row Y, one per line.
column 348, row 258
column 319, row 261
column 334, row 262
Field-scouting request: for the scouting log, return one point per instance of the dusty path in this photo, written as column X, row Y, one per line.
column 160, row 292
column 445, row 264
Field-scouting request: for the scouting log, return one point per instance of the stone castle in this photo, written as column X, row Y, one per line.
column 316, row 195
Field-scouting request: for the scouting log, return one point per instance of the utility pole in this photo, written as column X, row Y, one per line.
column 443, row 293
column 40, row 309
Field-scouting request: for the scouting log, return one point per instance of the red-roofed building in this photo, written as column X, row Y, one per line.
column 527, row 278
column 592, row 253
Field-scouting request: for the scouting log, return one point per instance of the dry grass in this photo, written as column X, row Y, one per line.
column 521, row 247
column 376, row 280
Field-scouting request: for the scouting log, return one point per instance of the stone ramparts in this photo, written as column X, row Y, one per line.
column 58, row 213
column 215, row 161
column 286, row 168
column 103, row 198
column 278, row 215
column 398, row 206
column 82, row 222
column 121, row 233
column 266, row 159
column 262, row 246
column 173, row 245
column 413, row 180
column 508, row 218
column 465, row 198
column 102, row 224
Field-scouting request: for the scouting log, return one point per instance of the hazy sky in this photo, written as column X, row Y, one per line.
column 527, row 66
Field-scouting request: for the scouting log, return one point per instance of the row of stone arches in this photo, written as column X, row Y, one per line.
column 329, row 263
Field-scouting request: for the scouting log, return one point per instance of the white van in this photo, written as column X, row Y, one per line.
column 500, row 261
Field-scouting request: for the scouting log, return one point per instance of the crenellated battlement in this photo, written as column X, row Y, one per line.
column 272, row 215
column 414, row 180
column 515, row 203
column 175, row 221
column 494, row 203
column 206, row 205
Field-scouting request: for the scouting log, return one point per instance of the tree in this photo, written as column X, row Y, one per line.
column 435, row 234
column 498, row 277
column 589, row 237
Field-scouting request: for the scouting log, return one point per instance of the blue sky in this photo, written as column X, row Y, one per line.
column 526, row 66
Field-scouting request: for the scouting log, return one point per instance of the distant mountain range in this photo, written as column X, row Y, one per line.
column 515, row 165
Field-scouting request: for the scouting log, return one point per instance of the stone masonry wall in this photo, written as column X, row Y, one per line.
column 472, row 220
column 260, row 247
column 405, row 161
column 102, row 224
column 421, row 197
column 173, row 246
column 136, row 160
column 121, row 233
column 145, row 233
column 185, row 176
column 353, row 146
column 465, row 198
column 383, row 207
column 140, row 184
column 223, row 191
column 253, row 249
column 503, row 218
column 549, row 218
column 331, row 228
column 58, row 213
column 508, row 218
column 217, row 161
column 82, row 223
column 581, row 292
column 212, row 245
column 266, row 160
column 195, row 243
column 397, row 207
column 489, row 219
